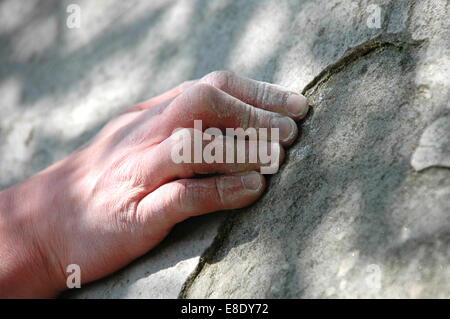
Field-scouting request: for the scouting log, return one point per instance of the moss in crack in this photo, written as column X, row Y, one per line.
column 374, row 45
column 210, row 254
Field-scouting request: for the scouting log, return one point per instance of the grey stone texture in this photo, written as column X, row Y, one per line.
column 361, row 207
column 434, row 146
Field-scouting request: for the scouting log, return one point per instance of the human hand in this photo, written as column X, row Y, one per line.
column 120, row 194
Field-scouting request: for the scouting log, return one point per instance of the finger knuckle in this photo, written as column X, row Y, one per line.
column 262, row 93
column 203, row 97
column 204, row 90
column 187, row 84
column 186, row 199
column 219, row 191
column 219, row 79
column 181, row 134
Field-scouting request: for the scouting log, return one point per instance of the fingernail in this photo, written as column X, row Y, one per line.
column 251, row 181
column 286, row 126
column 297, row 105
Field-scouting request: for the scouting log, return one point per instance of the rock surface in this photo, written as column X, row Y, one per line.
column 434, row 146
column 346, row 216
column 359, row 209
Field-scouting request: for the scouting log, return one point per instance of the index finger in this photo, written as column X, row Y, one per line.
column 259, row 94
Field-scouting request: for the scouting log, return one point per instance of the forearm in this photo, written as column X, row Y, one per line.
column 25, row 268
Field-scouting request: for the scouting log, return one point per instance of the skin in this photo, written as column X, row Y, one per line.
column 119, row 195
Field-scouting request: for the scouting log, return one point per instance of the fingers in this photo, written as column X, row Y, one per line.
column 224, row 100
column 189, row 152
column 219, row 109
column 263, row 95
column 178, row 200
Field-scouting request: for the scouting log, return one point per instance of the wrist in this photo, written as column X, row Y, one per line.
column 27, row 266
